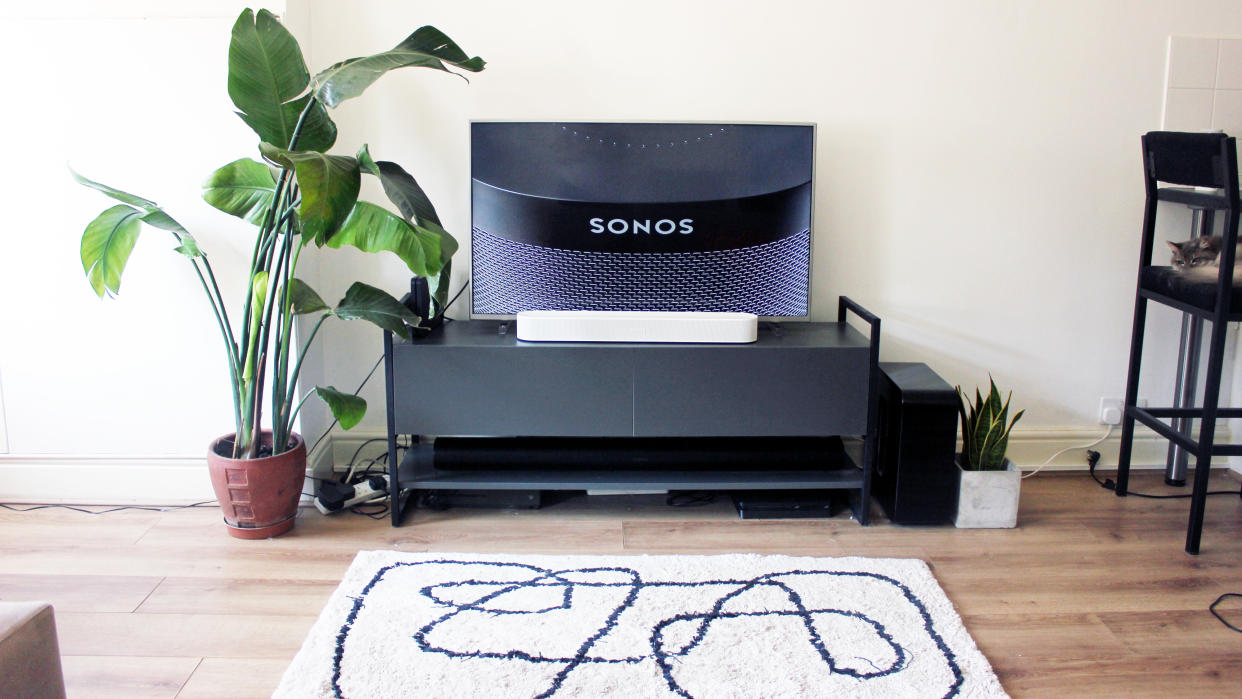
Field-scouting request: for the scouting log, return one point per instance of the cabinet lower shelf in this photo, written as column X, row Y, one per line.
column 628, row 465
column 410, row 477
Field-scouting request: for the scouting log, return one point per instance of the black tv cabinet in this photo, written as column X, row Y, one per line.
column 475, row 379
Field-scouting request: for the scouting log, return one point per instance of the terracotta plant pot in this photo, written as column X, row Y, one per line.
column 259, row 497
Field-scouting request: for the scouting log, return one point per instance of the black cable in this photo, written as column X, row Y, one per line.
column 381, row 513
column 205, row 503
column 1093, row 458
column 690, row 499
column 362, row 446
column 452, row 300
column 1212, row 609
column 356, row 392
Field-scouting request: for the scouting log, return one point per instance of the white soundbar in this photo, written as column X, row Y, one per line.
column 636, row 326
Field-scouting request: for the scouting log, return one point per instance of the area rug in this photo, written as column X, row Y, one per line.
column 467, row 625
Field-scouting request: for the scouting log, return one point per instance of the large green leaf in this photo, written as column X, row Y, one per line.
column 404, row 191
column 441, row 292
column 152, row 214
column 124, row 197
column 244, row 188
column 985, row 429
column 106, row 245
column 188, row 247
column 448, row 244
column 303, row 298
column 329, row 186
column 427, row 47
column 372, row 228
column 365, row 302
column 401, row 187
column 268, row 84
column 347, row 408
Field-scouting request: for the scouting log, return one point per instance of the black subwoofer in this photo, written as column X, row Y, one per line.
column 915, row 479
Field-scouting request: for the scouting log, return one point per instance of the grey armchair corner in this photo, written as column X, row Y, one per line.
column 29, row 653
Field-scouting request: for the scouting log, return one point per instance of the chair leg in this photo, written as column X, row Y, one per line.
column 1207, row 434
column 1132, row 381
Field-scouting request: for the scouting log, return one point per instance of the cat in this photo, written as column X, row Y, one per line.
column 1199, row 259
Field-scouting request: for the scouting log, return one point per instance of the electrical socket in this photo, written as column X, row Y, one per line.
column 1110, row 409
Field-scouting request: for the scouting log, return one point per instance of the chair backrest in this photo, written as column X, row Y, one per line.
column 1190, row 159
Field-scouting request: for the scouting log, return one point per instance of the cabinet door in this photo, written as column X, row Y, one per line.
column 755, row 391
column 513, row 391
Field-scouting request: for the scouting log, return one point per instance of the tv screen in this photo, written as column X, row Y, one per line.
column 641, row 216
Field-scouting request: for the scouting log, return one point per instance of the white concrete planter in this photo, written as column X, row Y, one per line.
column 988, row 499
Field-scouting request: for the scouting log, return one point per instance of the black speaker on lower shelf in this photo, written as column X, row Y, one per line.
column 915, row 479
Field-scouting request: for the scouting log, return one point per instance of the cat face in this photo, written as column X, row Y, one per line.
column 1196, row 252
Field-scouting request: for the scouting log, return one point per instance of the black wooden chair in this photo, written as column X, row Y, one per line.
column 1174, row 164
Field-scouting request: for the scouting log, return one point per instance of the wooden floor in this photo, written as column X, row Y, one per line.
column 1092, row 595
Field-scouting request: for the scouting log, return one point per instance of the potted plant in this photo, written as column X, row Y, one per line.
column 989, row 482
column 297, row 196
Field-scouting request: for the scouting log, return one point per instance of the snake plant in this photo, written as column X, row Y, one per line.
column 297, row 195
column 985, row 429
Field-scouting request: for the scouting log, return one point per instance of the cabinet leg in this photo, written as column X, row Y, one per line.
column 860, row 507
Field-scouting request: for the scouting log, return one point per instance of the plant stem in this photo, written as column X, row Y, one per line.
column 255, row 256
column 281, row 413
column 270, row 255
column 298, row 409
column 279, row 294
column 280, row 299
column 227, row 335
column 256, row 424
column 297, row 366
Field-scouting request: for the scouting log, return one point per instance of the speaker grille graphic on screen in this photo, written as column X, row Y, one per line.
column 767, row 280
column 641, row 216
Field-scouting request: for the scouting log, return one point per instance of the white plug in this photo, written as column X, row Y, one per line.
column 1110, row 409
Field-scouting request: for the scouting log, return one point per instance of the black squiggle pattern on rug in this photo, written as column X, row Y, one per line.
column 542, row 577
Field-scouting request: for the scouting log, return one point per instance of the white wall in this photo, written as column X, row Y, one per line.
column 978, row 183
column 978, row 169
column 105, row 398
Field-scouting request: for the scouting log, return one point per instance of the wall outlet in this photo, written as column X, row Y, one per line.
column 1110, row 409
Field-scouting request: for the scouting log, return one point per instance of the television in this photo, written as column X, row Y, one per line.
column 641, row 216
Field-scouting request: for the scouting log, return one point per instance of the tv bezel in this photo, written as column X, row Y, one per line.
column 810, row 294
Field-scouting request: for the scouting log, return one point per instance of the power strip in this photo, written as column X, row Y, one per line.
column 334, row 497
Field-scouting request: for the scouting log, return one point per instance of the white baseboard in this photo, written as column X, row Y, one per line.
column 341, row 446
column 104, row 480
column 108, row 480
column 175, row 480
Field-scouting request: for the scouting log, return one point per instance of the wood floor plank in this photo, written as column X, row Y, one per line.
column 257, row 596
column 234, row 678
column 79, row 593
column 182, row 635
column 1044, row 636
column 992, row 584
column 1156, row 634
column 458, row 531
column 159, row 561
column 795, row 537
column 1208, row 675
column 123, row 677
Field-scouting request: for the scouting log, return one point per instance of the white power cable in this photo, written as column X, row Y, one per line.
column 1084, row 446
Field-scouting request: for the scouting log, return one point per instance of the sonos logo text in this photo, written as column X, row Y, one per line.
column 663, row 226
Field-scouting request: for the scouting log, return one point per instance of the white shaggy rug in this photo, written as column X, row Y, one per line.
column 467, row 625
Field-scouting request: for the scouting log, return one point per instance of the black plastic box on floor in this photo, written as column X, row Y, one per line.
column 915, row 479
